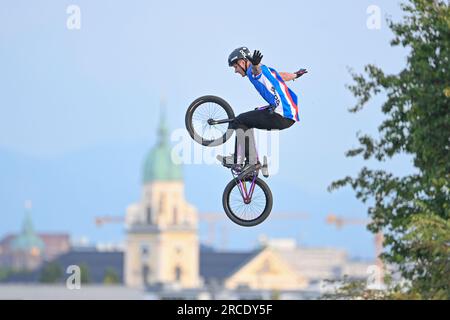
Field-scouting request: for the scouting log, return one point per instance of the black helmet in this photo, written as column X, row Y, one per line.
column 239, row 53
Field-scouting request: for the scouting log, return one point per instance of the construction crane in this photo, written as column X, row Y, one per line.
column 340, row 222
column 101, row 220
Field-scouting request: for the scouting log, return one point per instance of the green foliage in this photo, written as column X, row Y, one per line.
column 275, row 295
column 4, row 273
column 111, row 276
column 428, row 239
column 347, row 289
column 51, row 273
column 84, row 273
column 413, row 210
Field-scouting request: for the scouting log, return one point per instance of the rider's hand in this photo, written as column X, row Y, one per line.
column 300, row 72
column 256, row 58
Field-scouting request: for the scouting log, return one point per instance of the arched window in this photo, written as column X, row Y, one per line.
column 146, row 274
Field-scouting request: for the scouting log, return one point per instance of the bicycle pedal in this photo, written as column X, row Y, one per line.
column 265, row 168
column 265, row 171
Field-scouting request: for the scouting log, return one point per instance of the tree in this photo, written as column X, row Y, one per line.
column 350, row 289
column 4, row 273
column 412, row 211
column 84, row 273
column 51, row 273
column 428, row 239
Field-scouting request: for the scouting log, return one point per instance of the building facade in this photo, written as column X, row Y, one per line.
column 162, row 245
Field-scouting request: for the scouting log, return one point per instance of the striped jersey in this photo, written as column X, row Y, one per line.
column 274, row 90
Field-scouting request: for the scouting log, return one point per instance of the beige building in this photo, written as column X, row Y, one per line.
column 266, row 271
column 278, row 265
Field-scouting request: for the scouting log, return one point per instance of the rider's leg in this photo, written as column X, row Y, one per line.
column 240, row 148
column 245, row 147
column 260, row 119
column 250, row 147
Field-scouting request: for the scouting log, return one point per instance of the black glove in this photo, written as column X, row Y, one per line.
column 300, row 72
column 256, row 58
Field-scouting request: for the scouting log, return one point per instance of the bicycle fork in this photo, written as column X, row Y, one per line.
column 241, row 184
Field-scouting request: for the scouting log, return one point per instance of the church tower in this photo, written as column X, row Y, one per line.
column 162, row 243
column 27, row 248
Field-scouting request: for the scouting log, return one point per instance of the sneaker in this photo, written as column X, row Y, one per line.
column 227, row 161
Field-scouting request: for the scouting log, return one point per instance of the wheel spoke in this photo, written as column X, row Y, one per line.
column 200, row 117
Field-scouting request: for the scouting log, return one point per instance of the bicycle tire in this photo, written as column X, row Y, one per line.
column 191, row 128
column 261, row 217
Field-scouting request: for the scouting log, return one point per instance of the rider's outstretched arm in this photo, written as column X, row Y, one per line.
column 287, row 76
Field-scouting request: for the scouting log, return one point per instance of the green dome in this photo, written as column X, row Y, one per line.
column 158, row 165
column 27, row 239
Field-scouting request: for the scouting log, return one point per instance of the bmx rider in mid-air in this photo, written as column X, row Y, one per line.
column 280, row 113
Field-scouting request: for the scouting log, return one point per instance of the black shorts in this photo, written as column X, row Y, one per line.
column 265, row 119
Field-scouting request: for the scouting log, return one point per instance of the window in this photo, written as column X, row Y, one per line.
column 145, row 251
column 178, row 273
column 162, row 202
column 145, row 274
column 149, row 215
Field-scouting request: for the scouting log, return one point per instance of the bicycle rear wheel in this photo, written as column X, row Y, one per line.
column 252, row 213
column 209, row 108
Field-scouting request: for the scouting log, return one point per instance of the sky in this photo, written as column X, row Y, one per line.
column 79, row 109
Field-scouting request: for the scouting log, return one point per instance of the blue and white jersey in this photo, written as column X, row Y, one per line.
column 274, row 90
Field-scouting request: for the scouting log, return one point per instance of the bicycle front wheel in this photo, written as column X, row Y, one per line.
column 247, row 213
column 200, row 118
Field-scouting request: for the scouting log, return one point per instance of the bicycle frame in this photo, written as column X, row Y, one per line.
column 212, row 122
